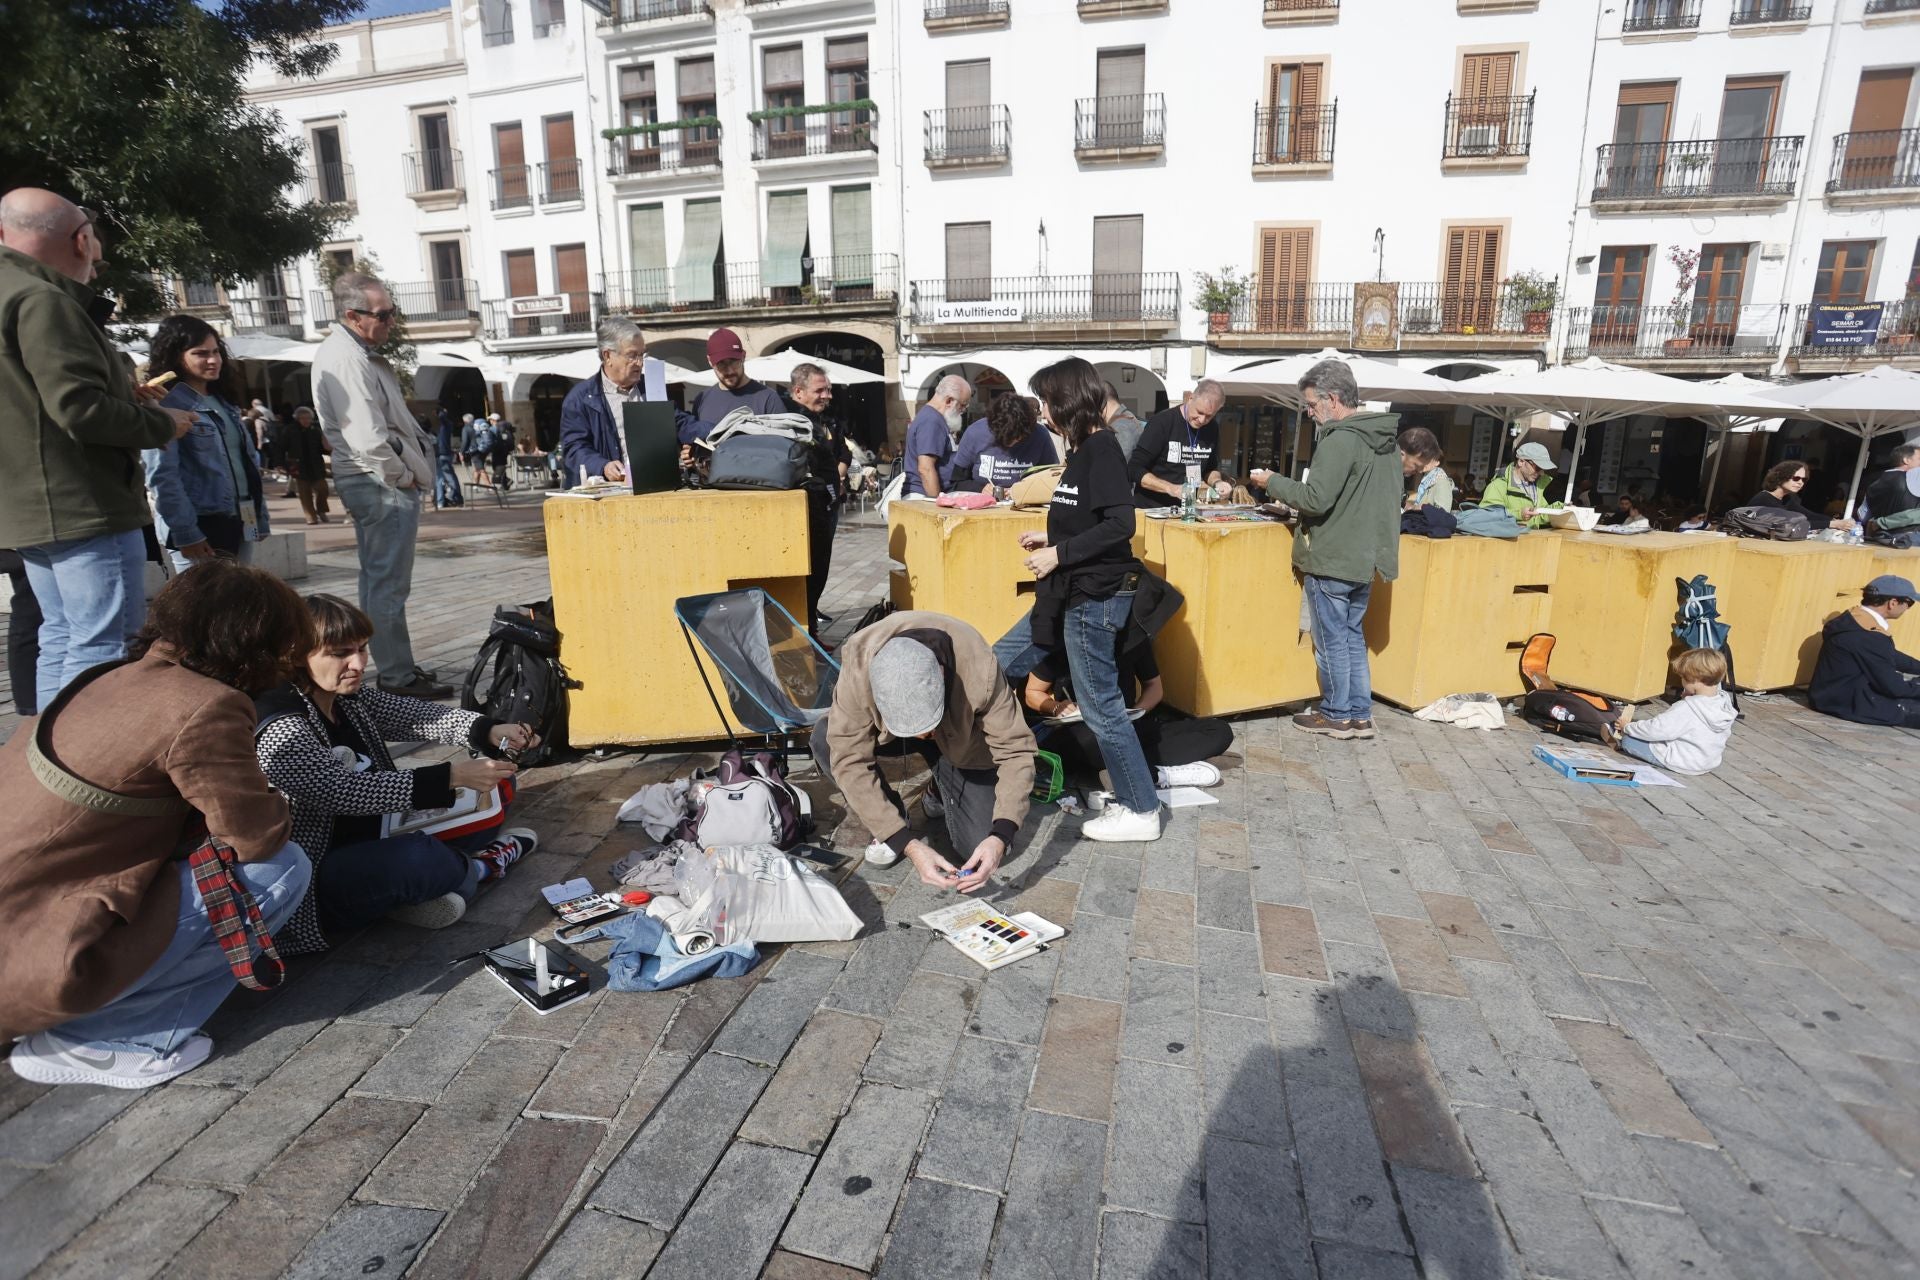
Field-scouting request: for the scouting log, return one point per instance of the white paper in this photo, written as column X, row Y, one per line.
column 579, row 887
column 1648, row 776
column 654, row 375
column 1184, row 797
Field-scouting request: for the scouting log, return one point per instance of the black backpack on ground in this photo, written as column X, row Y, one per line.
column 517, row 677
column 1775, row 523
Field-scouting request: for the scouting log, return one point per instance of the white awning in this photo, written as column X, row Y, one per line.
column 260, row 346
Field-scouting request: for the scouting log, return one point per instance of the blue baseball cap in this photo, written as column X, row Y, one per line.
column 1893, row 587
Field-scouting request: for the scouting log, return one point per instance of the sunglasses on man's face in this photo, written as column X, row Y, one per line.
column 383, row 315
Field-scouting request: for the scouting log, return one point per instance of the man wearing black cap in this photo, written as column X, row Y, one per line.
column 734, row 389
column 930, row 682
column 1860, row 675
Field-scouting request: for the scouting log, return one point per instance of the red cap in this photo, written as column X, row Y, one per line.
column 724, row 345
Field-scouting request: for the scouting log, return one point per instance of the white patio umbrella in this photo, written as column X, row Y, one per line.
column 776, row 370
column 1877, row 402
column 1730, row 423
column 1592, row 391
column 1279, row 380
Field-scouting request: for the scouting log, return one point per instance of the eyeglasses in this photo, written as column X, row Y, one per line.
column 1796, row 479
column 383, row 315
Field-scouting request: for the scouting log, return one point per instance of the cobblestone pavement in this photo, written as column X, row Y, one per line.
column 1406, row 1007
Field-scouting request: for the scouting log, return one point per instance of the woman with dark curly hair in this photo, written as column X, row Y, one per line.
column 999, row 448
column 207, row 496
column 1784, row 486
column 112, row 962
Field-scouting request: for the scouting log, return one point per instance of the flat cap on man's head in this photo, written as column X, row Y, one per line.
column 1891, row 586
column 724, row 344
column 909, row 689
column 1536, row 453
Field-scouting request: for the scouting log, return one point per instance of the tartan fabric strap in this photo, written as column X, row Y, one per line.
column 237, row 923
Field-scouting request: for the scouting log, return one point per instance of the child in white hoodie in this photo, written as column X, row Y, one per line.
column 1690, row 736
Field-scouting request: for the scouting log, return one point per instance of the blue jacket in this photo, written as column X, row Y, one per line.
column 447, row 436
column 193, row 474
column 590, row 434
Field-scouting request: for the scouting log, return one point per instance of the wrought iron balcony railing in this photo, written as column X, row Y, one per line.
column 1292, row 135
column 821, row 134
column 1875, row 160
column 1750, row 13
column 560, row 180
column 1893, row 6
column 968, row 135
column 1289, row 308
column 327, row 184
column 548, row 316
column 433, row 171
column 1464, row 308
column 1689, row 331
column 420, row 301
column 1487, row 128
column 1299, row 6
column 278, row 317
column 1893, row 333
column 512, row 187
column 1099, row 298
column 627, row 13
column 1715, row 168
column 664, row 151
column 958, row 11
column 1661, row 15
column 848, row 278
column 1131, row 121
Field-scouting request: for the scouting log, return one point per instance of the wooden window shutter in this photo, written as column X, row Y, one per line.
column 1643, row 95
column 1472, row 278
column 1456, row 256
column 1307, row 91
column 1486, row 75
column 1286, row 263
column 1274, row 74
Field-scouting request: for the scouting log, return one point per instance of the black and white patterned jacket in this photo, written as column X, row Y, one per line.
column 297, row 757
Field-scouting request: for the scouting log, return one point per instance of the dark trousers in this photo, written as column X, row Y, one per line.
column 820, row 525
column 357, row 884
column 23, row 635
column 1165, row 736
column 966, row 793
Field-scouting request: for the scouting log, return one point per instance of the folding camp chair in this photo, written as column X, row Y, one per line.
column 779, row 682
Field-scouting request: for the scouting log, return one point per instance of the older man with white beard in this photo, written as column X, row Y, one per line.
column 931, row 436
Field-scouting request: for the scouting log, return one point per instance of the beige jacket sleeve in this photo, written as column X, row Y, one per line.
column 851, row 742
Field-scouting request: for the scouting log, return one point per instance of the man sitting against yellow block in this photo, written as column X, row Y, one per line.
column 930, row 682
column 1860, row 675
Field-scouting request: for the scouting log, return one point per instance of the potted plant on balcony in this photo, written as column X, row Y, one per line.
column 1684, row 262
column 1218, row 293
column 1533, row 294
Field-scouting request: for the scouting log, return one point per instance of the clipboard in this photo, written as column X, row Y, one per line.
column 653, row 447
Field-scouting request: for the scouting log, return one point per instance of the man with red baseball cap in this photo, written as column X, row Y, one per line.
column 735, row 390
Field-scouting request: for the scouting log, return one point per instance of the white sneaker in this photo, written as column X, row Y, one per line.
column 1198, row 774
column 435, row 913
column 1118, row 823
column 50, row 1059
column 881, row 854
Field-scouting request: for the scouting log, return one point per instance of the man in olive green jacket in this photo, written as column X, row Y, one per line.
column 1349, row 531
column 73, row 496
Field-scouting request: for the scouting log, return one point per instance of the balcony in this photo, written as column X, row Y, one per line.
column 277, row 317
column 633, row 13
column 560, row 181
column 1877, row 7
column 818, row 133
column 1866, row 333
column 677, row 148
column 1108, row 304
column 433, row 308
column 1317, row 315
column 548, row 316
column 1293, row 140
column 436, row 179
column 966, row 15
column 968, row 137
column 512, row 187
column 327, row 184
column 1702, row 334
column 850, row 283
column 1759, row 13
column 1288, row 13
column 1120, row 8
column 1487, row 133
column 1727, row 172
column 1414, row 315
column 1661, row 15
column 1120, row 127
column 1877, row 160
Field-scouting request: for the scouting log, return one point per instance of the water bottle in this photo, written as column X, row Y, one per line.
column 1190, row 496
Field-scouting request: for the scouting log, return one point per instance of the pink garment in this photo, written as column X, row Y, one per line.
column 966, row 501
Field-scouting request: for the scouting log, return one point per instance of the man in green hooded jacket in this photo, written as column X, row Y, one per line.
column 1349, row 531
column 1521, row 488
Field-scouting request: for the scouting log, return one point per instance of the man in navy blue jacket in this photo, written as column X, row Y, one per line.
column 1860, row 675
column 590, row 433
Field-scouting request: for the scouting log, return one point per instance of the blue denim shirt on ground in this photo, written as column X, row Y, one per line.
column 194, row 474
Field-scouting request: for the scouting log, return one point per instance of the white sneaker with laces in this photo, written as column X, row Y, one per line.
column 435, row 913
column 881, row 854
column 47, row 1058
column 1197, row 774
column 1118, row 823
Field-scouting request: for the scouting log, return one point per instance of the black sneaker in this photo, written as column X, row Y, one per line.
column 420, row 687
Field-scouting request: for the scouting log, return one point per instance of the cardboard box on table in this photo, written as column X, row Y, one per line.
column 617, row 564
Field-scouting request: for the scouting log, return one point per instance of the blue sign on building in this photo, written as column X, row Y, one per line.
column 1846, row 325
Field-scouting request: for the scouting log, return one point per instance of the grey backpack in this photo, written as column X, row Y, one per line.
column 1775, row 523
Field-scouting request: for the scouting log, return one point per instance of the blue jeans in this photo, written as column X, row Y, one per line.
column 386, row 523
column 1338, row 609
column 1092, row 633
column 357, row 884
column 171, row 1000
column 93, row 597
column 1016, row 652
column 181, row 564
column 1639, row 749
column 446, row 482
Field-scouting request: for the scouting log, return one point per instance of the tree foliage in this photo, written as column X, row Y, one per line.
column 137, row 109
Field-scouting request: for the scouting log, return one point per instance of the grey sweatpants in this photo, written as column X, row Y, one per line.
column 967, row 793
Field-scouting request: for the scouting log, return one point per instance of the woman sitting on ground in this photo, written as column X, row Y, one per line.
column 1783, row 486
column 997, row 450
column 322, row 739
column 207, row 491
column 1177, row 746
column 111, row 964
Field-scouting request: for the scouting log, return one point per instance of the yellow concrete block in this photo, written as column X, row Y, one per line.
column 618, row 564
column 1456, row 618
column 1615, row 604
column 965, row 564
column 1780, row 596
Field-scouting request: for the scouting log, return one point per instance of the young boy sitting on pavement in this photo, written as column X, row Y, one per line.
column 1690, row 736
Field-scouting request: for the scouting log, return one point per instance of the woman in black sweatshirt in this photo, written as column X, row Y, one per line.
column 1088, row 576
column 1782, row 486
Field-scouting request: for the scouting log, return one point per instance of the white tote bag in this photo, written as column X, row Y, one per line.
column 754, row 892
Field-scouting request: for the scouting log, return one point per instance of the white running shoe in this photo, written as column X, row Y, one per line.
column 1118, row 823
column 1198, row 774
column 50, row 1059
column 881, row 854
column 435, row 913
